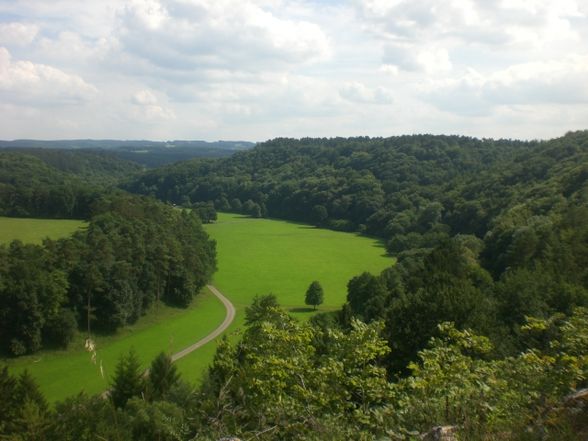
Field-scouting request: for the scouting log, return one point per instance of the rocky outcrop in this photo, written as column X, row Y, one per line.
column 441, row 433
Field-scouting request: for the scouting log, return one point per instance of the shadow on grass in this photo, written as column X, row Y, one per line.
column 302, row 310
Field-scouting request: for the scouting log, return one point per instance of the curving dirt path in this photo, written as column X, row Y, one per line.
column 218, row 331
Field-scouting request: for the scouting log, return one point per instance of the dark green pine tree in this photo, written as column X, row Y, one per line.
column 314, row 294
column 8, row 403
column 27, row 389
column 32, row 412
column 163, row 375
column 127, row 381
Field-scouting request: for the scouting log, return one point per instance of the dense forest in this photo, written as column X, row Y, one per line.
column 481, row 326
column 57, row 183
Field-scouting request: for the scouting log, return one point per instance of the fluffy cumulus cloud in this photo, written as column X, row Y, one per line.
column 360, row 93
column 555, row 82
column 253, row 69
column 227, row 34
column 30, row 83
column 17, row 33
column 147, row 107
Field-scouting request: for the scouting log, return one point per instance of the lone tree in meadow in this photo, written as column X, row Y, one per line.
column 314, row 294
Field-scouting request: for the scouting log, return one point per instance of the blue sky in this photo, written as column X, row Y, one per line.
column 257, row 69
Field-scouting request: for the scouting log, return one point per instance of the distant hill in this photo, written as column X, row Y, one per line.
column 92, row 166
column 57, row 183
column 147, row 153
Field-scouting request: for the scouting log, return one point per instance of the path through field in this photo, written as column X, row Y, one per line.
column 218, row 331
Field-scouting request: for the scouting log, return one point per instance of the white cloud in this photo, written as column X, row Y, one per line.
column 25, row 81
column 19, row 34
column 73, row 49
column 412, row 58
column 360, row 93
column 230, row 34
column 147, row 107
column 260, row 68
column 556, row 82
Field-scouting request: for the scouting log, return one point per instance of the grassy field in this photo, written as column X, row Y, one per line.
column 255, row 256
column 259, row 256
column 35, row 230
column 64, row 373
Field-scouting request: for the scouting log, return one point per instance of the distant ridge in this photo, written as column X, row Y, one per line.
column 145, row 152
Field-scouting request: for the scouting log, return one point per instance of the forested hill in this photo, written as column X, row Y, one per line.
column 93, row 166
column 56, row 183
column 411, row 190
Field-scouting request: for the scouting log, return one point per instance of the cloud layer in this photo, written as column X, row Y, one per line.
column 255, row 69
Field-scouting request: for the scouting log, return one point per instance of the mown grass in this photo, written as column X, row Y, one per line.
column 67, row 372
column 35, row 230
column 261, row 256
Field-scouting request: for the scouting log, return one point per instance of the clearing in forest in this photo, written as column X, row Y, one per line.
column 35, row 230
column 261, row 256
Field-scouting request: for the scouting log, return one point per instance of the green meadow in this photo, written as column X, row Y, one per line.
column 261, row 256
column 64, row 373
column 35, row 230
column 255, row 256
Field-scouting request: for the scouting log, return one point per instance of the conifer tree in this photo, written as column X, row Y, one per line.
column 127, row 381
column 162, row 376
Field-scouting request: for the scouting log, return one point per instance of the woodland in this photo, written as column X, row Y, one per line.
column 481, row 325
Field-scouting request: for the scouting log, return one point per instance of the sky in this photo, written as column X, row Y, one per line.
column 258, row 69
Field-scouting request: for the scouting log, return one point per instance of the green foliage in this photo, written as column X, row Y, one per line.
column 55, row 183
column 275, row 379
column 134, row 252
column 23, row 409
column 8, row 403
column 453, row 384
column 450, row 286
column 127, row 381
column 32, row 292
column 431, row 199
column 205, row 211
column 408, row 189
column 487, row 233
column 367, row 296
column 290, row 380
column 262, row 308
column 162, row 421
column 88, row 418
column 314, row 294
column 163, row 375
